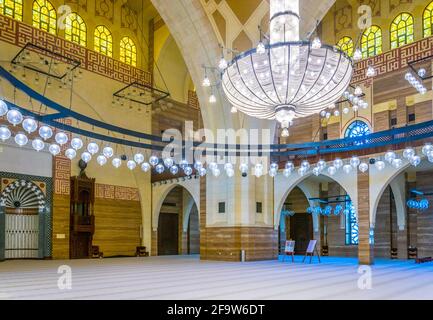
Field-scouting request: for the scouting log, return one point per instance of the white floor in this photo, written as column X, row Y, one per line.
column 186, row 277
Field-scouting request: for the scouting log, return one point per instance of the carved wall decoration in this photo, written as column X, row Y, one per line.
column 78, row 3
column 105, row 8
column 19, row 34
column 394, row 60
column 374, row 4
column 343, row 18
column 129, row 18
column 105, row 191
column 395, row 3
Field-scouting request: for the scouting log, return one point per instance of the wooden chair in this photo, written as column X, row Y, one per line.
column 96, row 254
column 141, row 252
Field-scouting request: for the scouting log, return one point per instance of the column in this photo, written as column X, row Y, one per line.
column 365, row 250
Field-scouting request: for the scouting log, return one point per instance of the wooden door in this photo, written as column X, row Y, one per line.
column 81, row 243
column 301, row 230
column 168, row 234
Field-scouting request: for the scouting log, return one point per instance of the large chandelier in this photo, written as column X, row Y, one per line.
column 287, row 78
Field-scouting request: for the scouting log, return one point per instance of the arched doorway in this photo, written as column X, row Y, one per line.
column 23, row 207
column 178, row 224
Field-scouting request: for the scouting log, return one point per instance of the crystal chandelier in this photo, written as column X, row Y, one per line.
column 287, row 78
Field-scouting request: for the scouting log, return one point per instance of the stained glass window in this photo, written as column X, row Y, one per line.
column 427, row 20
column 12, row 8
column 357, row 129
column 346, row 45
column 103, row 41
column 402, row 30
column 371, row 42
column 44, row 16
column 128, row 51
column 75, row 29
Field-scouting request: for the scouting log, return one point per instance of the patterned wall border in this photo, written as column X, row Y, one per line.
column 105, row 191
column 49, row 200
column 394, row 60
column 19, row 34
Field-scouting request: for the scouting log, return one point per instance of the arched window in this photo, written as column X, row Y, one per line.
column 103, row 41
column 427, row 20
column 371, row 42
column 12, row 8
column 346, row 45
column 75, row 29
column 44, row 16
column 401, row 30
column 356, row 129
column 128, row 51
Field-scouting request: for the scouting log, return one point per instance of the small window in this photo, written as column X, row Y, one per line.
column 221, row 207
column 259, row 207
column 412, row 117
column 325, row 136
column 393, row 122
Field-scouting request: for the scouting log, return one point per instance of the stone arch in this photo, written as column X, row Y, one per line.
column 160, row 191
column 283, row 186
column 379, row 181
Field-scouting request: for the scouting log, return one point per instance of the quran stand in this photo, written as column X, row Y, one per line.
column 289, row 254
column 312, row 248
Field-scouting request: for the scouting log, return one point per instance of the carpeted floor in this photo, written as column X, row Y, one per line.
column 186, row 277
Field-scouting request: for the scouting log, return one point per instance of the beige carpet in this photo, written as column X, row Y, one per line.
column 186, row 277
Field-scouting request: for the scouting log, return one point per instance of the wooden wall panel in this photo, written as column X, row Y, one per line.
column 381, row 121
column 423, row 111
column 333, row 131
column 117, row 227
column 424, row 228
column 365, row 251
column 194, row 232
column 60, row 237
column 225, row 244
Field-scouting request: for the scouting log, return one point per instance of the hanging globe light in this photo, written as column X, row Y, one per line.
column 332, row 170
column 108, row 152
column 101, row 160
column 354, row 162
column 93, row 148
column 380, row 165
column 86, row 157
column 415, row 161
column 212, row 166
column 258, row 170
column 70, row 154
column 347, row 168
column 273, row 173
column 216, row 173
column 230, row 173
column 21, row 139
column 390, row 156
column 77, row 144
column 305, row 164
column 174, row 170
column 30, row 125
column 202, row 172
column 316, row 171
column 363, row 167
column 5, row 133
column 397, row 163
column 116, row 163
column 287, row 173
column 302, row 171
column 45, row 132
column 160, row 168
column 153, row 161
column 198, row 165
column 3, row 108
column 408, row 153
column 145, row 167
column 54, row 149
column 168, row 162
column 338, row 163
column 188, row 171
column 38, row 145
column 61, row 138
column 183, row 164
column 290, row 166
column 427, row 149
column 243, row 168
column 14, row 117
column 139, row 158
column 321, row 165
column 131, row 165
